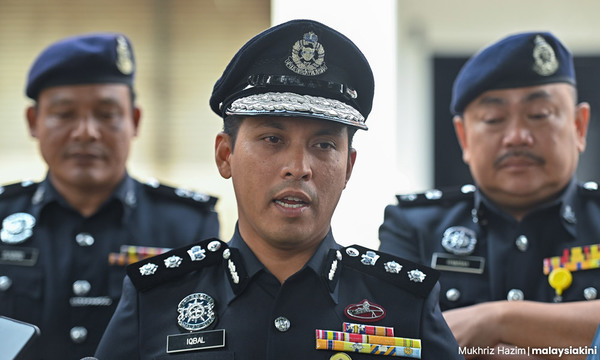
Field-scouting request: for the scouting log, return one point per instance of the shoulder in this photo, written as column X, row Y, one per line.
column 589, row 189
column 175, row 263
column 437, row 197
column 155, row 189
column 410, row 276
column 23, row 188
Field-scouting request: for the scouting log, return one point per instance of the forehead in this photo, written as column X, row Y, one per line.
column 555, row 92
column 84, row 93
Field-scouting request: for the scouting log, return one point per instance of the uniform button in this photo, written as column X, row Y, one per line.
column 78, row 334
column 81, row 287
column 453, row 294
column 590, row 293
column 84, row 239
column 522, row 243
column 515, row 295
column 5, row 283
column 282, row 324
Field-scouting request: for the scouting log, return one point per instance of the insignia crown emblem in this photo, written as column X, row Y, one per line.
column 124, row 60
column 308, row 56
column 545, row 62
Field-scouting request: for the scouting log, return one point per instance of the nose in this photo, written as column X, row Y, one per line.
column 518, row 133
column 297, row 164
column 86, row 129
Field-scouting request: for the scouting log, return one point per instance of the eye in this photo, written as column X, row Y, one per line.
column 271, row 139
column 539, row 115
column 326, row 145
column 492, row 121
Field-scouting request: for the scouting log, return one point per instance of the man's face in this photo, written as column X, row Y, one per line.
column 522, row 145
column 288, row 175
column 85, row 133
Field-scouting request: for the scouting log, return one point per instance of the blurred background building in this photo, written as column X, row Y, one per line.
column 182, row 46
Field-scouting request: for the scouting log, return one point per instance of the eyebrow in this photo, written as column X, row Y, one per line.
column 495, row 100
column 327, row 129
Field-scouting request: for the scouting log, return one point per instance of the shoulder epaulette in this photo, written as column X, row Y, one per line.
column 437, row 196
column 589, row 188
column 181, row 194
column 415, row 278
column 19, row 188
column 167, row 266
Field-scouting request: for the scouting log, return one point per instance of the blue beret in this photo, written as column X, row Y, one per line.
column 520, row 60
column 299, row 68
column 85, row 59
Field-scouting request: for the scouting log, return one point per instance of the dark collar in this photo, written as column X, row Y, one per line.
column 253, row 266
column 46, row 193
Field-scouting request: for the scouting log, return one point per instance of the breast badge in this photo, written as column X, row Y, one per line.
column 365, row 311
column 196, row 312
column 17, row 228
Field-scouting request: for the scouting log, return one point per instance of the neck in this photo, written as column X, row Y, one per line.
column 282, row 263
column 86, row 200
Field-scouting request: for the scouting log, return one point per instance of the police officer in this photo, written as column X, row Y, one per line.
column 528, row 233
column 64, row 242
column 291, row 99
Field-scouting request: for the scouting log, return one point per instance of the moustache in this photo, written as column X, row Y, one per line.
column 519, row 153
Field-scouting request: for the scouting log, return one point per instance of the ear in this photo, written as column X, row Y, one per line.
column 582, row 119
column 223, row 154
column 137, row 115
column 31, row 116
column 459, row 128
column 350, row 165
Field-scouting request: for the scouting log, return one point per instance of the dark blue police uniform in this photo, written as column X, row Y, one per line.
column 63, row 272
column 260, row 318
column 60, row 270
column 484, row 254
column 213, row 300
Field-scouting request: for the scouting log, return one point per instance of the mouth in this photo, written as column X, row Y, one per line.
column 291, row 202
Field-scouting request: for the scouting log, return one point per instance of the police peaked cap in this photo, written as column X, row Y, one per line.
column 299, row 68
column 519, row 60
column 84, row 59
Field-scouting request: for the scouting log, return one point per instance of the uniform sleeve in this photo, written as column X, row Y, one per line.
column 397, row 237
column 121, row 337
column 437, row 339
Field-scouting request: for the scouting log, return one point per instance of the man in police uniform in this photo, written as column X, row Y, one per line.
column 64, row 242
column 528, row 231
column 291, row 100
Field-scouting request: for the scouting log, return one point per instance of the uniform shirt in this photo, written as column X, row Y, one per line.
column 263, row 319
column 59, row 277
column 484, row 254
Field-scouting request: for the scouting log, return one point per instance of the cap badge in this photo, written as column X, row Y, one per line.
column 545, row 62
column 308, row 56
column 124, row 60
column 17, row 228
column 196, row 312
column 365, row 311
column 459, row 240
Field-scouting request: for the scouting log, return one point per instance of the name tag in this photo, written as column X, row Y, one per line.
column 466, row 264
column 199, row 340
column 18, row 256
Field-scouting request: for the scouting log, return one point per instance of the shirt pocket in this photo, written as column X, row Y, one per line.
column 22, row 293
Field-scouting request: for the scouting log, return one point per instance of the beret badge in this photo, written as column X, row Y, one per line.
column 545, row 62
column 308, row 56
column 124, row 59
